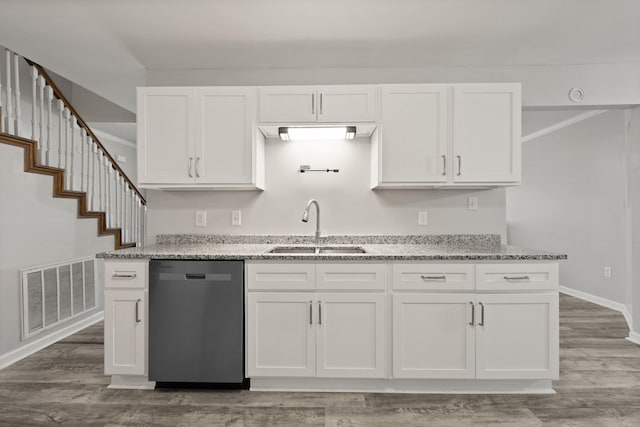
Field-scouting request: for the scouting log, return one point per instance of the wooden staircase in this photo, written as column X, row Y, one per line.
column 105, row 193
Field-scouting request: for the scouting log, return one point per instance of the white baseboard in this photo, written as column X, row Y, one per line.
column 37, row 345
column 633, row 336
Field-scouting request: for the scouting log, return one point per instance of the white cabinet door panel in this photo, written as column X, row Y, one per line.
column 347, row 104
column 414, row 134
column 486, row 133
column 165, row 134
column 517, row 337
column 287, row 104
column 351, row 335
column 125, row 335
column 433, row 336
column 224, row 135
column 280, row 335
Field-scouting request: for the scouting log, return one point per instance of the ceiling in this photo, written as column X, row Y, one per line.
column 109, row 46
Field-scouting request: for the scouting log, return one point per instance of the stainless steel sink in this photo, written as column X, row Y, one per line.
column 292, row 250
column 353, row 250
column 329, row 250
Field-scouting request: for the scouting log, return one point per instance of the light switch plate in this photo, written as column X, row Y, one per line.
column 201, row 218
column 236, row 218
column 423, row 218
column 472, row 203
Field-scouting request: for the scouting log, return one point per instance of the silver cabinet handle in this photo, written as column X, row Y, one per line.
column 311, row 312
column 313, row 103
column 190, row 162
column 473, row 314
column 138, row 320
column 116, row 275
column 444, row 165
column 459, row 165
column 481, row 314
column 197, row 172
column 431, row 278
column 320, row 103
column 517, row 278
column 319, row 312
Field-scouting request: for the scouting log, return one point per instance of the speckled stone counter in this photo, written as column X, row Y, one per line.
column 412, row 247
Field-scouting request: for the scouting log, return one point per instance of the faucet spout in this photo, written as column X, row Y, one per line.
column 305, row 218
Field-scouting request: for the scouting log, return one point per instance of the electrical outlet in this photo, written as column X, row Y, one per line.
column 201, row 218
column 236, row 218
column 607, row 271
column 423, row 218
column 472, row 203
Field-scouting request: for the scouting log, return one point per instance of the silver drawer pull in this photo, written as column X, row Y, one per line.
column 517, row 278
column 428, row 278
column 123, row 275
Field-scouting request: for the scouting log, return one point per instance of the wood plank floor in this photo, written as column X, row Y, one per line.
column 599, row 386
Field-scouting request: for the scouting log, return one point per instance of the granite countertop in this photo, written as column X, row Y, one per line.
column 423, row 247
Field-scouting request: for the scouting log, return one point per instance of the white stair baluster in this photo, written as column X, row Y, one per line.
column 67, row 151
column 10, row 122
column 125, row 219
column 83, row 170
column 49, row 124
column 107, row 190
column 94, row 177
column 44, row 143
column 3, row 126
column 16, row 73
column 72, row 152
column 123, row 194
column 60, row 134
column 34, row 106
column 132, row 224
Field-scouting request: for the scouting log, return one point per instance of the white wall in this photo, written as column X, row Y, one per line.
column 118, row 147
column 572, row 200
column 348, row 206
column 35, row 229
column 634, row 203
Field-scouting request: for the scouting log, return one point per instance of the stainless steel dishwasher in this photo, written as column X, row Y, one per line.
column 196, row 321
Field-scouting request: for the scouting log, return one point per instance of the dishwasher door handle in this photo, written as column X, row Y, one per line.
column 195, row 276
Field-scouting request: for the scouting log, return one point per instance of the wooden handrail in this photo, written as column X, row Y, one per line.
column 58, row 93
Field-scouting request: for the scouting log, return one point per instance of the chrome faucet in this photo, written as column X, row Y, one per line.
column 305, row 218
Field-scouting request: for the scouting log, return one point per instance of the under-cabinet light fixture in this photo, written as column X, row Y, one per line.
column 316, row 133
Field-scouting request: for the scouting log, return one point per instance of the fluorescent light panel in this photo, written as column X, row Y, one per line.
column 316, row 133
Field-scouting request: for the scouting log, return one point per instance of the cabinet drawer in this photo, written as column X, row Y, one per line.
column 516, row 276
column 281, row 276
column 351, row 276
column 125, row 274
column 433, row 276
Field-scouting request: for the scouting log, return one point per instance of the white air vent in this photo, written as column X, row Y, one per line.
column 56, row 293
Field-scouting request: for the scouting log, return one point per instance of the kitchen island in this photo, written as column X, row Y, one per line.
column 452, row 313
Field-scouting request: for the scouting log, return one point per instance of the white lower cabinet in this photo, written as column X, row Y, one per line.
column 350, row 335
column 482, row 336
column 296, row 334
column 433, row 336
column 517, row 337
column 125, row 332
column 280, row 334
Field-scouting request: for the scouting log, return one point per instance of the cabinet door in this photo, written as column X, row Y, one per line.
column 486, row 133
column 413, row 134
column 166, row 135
column 125, row 332
column 517, row 337
column 287, row 104
column 225, row 143
column 351, row 335
column 280, row 335
column 433, row 336
column 347, row 104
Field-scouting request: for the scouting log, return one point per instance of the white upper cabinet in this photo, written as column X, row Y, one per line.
column 310, row 104
column 486, row 132
column 165, row 135
column 449, row 136
column 199, row 138
column 414, row 134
